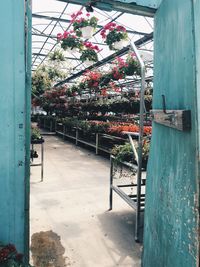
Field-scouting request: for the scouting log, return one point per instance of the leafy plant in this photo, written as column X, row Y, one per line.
column 40, row 81
column 35, row 134
column 55, row 74
column 133, row 66
column 115, row 33
column 90, row 52
column 57, row 55
column 81, row 22
column 69, row 40
column 125, row 152
column 90, row 55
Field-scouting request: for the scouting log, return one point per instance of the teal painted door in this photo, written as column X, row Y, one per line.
column 14, row 121
column 171, row 236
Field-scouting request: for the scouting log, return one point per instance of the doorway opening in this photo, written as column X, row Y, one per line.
column 86, row 106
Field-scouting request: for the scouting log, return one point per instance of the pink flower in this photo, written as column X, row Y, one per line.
column 59, row 36
column 120, row 28
column 73, row 15
column 88, row 14
column 65, row 34
column 96, row 47
column 79, row 13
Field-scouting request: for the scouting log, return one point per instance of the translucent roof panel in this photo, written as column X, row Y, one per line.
column 51, row 17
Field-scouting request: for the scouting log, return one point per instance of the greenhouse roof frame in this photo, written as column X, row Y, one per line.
column 45, row 29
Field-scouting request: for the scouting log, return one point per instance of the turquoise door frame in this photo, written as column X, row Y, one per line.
column 15, row 54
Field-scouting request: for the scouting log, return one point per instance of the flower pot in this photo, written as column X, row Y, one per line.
column 121, row 44
column 88, row 62
column 73, row 51
column 87, row 32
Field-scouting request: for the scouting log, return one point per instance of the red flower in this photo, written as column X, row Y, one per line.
column 59, row 36
column 65, row 34
column 73, row 15
column 19, row 257
column 79, row 13
column 104, row 92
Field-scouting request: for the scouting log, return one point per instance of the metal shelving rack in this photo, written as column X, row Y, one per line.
column 136, row 201
column 41, row 164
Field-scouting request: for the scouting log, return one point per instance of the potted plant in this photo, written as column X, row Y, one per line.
column 132, row 65
column 57, row 55
column 84, row 26
column 89, row 54
column 115, row 36
column 92, row 79
column 9, row 257
column 70, row 42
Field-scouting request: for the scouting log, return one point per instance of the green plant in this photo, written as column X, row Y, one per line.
column 35, row 134
column 125, row 153
column 89, row 54
column 57, row 55
column 55, row 74
column 132, row 65
column 80, row 22
column 115, row 33
column 40, row 81
column 71, row 41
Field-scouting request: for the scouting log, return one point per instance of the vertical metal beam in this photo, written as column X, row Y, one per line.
column 140, row 146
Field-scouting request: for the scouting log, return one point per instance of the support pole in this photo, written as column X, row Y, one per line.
column 111, row 183
column 42, row 161
column 141, row 131
column 97, row 143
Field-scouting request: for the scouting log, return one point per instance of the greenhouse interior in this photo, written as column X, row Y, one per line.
column 100, row 133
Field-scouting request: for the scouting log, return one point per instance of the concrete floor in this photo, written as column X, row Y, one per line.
column 73, row 201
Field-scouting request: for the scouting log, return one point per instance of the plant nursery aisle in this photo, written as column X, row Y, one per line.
column 73, row 202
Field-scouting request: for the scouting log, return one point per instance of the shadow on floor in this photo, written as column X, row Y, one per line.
column 119, row 228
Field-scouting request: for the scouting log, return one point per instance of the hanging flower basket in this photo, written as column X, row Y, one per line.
column 89, row 54
column 115, row 36
column 70, row 42
column 84, row 26
column 120, row 44
column 132, row 65
column 87, row 32
column 56, row 58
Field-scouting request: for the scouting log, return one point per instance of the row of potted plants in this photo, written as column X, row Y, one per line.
column 114, row 128
column 56, row 101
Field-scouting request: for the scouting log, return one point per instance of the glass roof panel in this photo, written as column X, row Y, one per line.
column 51, row 17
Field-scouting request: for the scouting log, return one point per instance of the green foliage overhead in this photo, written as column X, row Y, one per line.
column 40, row 82
column 57, row 55
column 89, row 54
column 43, row 79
